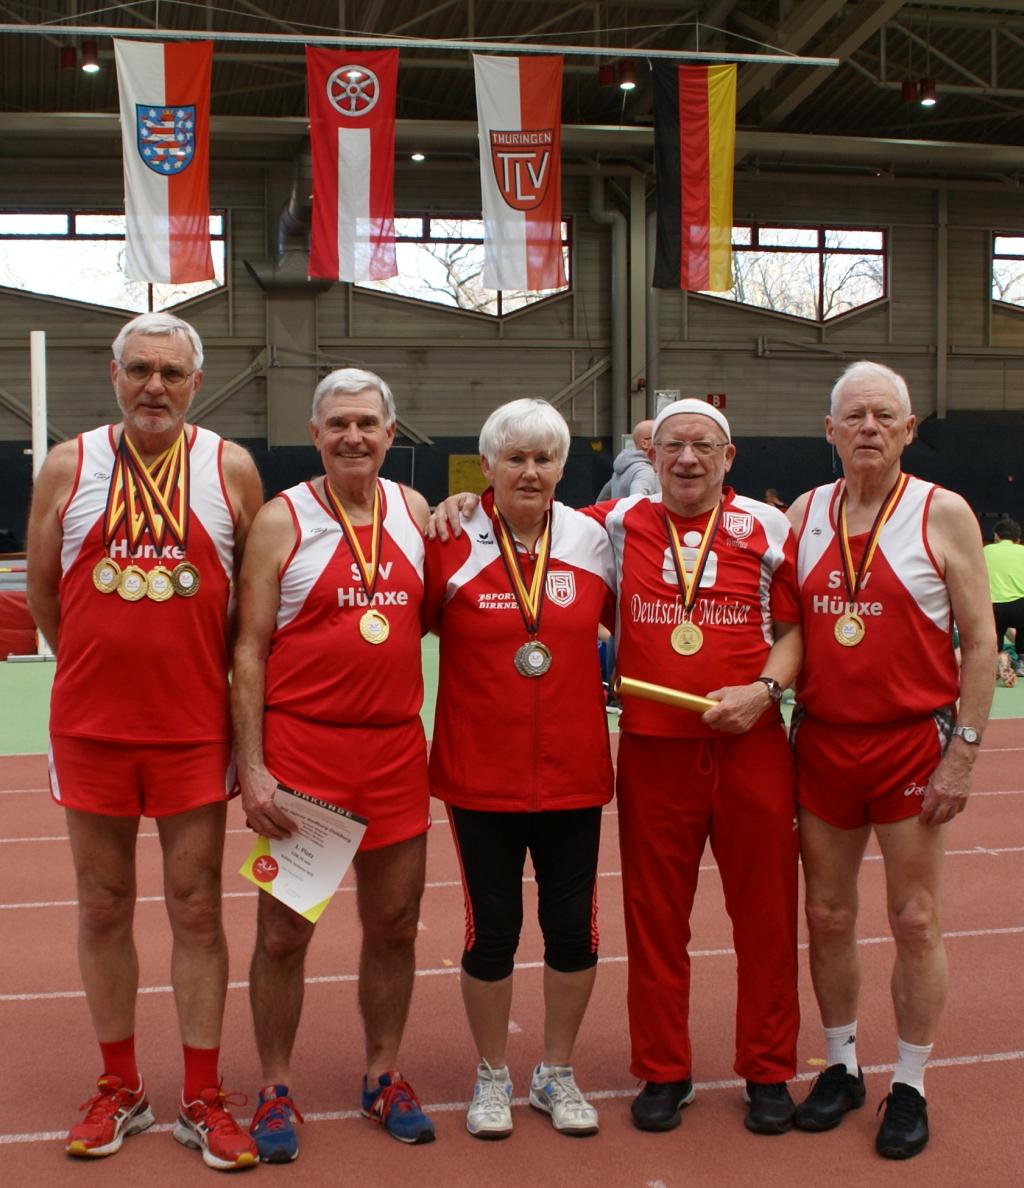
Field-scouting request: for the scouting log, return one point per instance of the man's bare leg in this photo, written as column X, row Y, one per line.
column 389, row 888
column 193, row 849
column 276, row 985
column 103, row 850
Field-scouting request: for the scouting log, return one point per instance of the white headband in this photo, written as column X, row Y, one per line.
column 692, row 405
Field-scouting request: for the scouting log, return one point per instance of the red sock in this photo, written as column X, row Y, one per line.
column 119, row 1061
column 200, row 1071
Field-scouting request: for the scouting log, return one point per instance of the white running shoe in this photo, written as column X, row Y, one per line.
column 554, row 1091
column 490, row 1112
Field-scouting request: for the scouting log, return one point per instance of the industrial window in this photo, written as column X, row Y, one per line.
column 79, row 255
column 441, row 260
column 817, row 273
column 1008, row 267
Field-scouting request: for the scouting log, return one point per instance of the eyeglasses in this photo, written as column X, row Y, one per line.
column 702, row 448
column 170, row 377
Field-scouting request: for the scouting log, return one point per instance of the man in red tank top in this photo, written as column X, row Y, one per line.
column 132, row 539
column 885, row 564
column 326, row 695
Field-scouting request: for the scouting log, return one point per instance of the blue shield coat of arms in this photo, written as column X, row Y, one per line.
column 166, row 137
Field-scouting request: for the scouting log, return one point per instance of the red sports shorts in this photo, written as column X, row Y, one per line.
column 378, row 772
column 127, row 779
column 851, row 776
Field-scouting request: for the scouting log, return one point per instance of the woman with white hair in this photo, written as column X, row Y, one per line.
column 516, row 601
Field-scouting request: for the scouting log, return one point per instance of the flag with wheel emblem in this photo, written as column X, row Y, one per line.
column 352, row 134
column 519, row 110
column 165, row 120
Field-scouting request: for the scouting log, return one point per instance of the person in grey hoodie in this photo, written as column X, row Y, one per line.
column 632, row 472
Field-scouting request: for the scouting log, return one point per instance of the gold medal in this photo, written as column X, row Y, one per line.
column 132, row 584
column 849, row 629
column 185, row 579
column 158, row 584
column 105, row 575
column 532, row 659
column 374, row 627
column 687, row 638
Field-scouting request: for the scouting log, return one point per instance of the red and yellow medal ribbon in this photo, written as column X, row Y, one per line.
column 854, row 576
column 151, row 497
column 530, row 601
column 369, row 568
column 690, row 585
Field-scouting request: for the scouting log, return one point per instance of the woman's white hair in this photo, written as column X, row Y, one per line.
column 352, row 380
column 160, row 323
column 528, row 424
column 866, row 370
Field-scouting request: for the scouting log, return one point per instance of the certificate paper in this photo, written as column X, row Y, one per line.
column 304, row 870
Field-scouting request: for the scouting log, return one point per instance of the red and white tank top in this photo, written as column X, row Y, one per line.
column 153, row 672
column 320, row 666
column 904, row 667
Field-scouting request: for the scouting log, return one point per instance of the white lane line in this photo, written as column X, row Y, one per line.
column 56, row 837
column 441, row 971
column 348, row 888
column 21, row 791
column 451, row 1107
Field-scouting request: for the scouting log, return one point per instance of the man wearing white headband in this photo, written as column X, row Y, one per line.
column 707, row 605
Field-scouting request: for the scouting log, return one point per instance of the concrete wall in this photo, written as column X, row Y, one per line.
column 962, row 357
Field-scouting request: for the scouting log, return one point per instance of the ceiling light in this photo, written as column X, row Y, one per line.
column 90, row 57
column 606, row 74
column 68, row 57
column 908, row 90
column 927, row 89
column 417, row 157
column 627, row 75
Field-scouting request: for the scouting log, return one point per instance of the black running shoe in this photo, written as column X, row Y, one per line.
column 832, row 1095
column 658, row 1104
column 770, row 1108
column 904, row 1129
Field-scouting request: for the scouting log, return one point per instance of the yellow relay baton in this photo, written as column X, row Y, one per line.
column 662, row 693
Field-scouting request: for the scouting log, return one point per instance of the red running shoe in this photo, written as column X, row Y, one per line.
column 110, row 1117
column 207, row 1125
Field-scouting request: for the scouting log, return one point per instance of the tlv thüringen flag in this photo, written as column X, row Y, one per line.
column 519, row 109
column 165, row 136
column 694, row 149
column 352, row 135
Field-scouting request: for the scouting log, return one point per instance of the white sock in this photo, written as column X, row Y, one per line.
column 841, row 1045
column 910, row 1062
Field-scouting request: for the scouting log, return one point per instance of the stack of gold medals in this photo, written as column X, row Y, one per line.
column 533, row 658
column 147, row 500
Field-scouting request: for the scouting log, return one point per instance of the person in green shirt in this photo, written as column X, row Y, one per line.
column 1005, row 561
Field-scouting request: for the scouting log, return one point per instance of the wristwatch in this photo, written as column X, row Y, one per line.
column 968, row 734
column 775, row 689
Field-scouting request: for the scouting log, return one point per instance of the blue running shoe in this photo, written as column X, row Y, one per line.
column 397, row 1108
column 273, row 1125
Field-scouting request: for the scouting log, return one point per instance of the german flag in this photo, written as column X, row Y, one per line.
column 694, row 148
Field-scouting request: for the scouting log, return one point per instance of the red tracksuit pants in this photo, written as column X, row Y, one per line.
column 674, row 794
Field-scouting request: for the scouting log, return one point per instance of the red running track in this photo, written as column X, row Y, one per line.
column 975, row 1082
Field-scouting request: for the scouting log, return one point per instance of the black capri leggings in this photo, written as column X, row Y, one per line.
column 492, row 853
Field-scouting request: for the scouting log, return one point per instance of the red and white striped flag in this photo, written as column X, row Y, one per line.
column 165, row 137
column 519, row 108
column 352, row 133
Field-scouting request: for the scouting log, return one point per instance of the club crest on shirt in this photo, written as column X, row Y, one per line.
column 739, row 525
column 561, row 587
